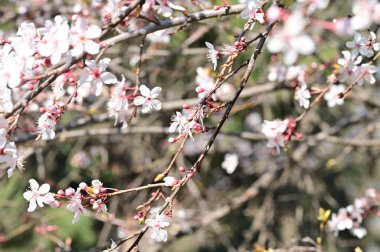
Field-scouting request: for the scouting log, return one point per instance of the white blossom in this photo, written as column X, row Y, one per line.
column 231, row 161
column 333, row 96
column 96, row 75
column 303, row 96
column 147, row 99
column 36, row 194
column 157, row 225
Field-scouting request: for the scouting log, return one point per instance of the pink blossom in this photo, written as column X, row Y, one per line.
column 83, row 36
column 147, row 99
column 157, row 225
column 36, row 194
column 333, row 96
column 290, row 37
column 96, row 75
column 303, row 96
column 75, row 205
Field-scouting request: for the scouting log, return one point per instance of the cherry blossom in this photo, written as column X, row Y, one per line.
column 274, row 131
column 99, row 206
column 333, row 96
column 212, row 54
column 10, row 73
column 46, row 127
column 82, row 37
column 290, row 37
column 231, row 161
column 118, row 104
column 54, row 42
column 157, row 225
column 75, row 205
column 253, row 12
column 9, row 155
column 351, row 217
column 303, row 96
column 147, row 99
column 178, row 122
column 96, row 75
column 36, row 194
column 349, row 69
column 366, row 73
column 370, row 45
column 362, row 45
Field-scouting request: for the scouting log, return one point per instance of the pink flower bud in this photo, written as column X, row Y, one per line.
column 182, row 169
column 199, row 90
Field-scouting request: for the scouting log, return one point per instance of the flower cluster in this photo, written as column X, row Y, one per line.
column 279, row 132
column 76, row 200
column 352, row 216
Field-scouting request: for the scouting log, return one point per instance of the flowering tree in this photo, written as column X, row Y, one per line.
column 259, row 144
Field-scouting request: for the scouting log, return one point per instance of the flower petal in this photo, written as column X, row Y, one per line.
column 33, row 185
column 91, row 47
column 45, row 188
column 109, row 78
column 155, row 92
column 32, row 205
column 139, row 100
column 144, row 90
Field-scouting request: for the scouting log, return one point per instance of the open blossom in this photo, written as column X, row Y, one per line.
column 147, row 99
column 83, row 36
column 178, row 122
column 303, row 96
column 212, row 54
column 75, row 205
column 349, row 69
column 290, row 37
column 99, row 206
column 274, row 131
column 96, row 75
column 157, row 225
column 8, row 151
column 46, row 127
column 55, row 40
column 253, row 12
column 10, row 73
column 333, row 96
column 364, row 46
column 366, row 73
column 118, row 104
column 36, row 194
column 231, row 161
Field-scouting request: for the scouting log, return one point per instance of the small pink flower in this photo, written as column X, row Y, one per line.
column 147, row 99
column 36, row 194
